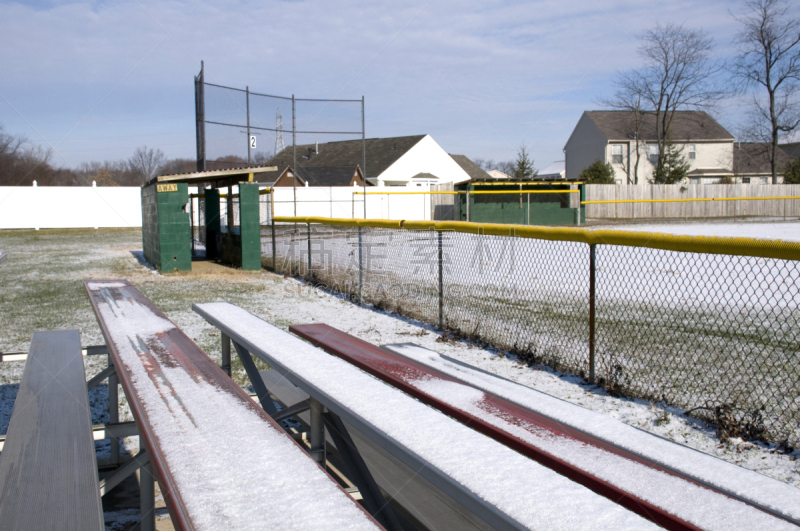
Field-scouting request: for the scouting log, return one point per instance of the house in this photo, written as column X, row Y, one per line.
column 554, row 172
column 497, row 174
column 474, row 171
column 320, row 176
column 751, row 162
column 397, row 161
column 612, row 136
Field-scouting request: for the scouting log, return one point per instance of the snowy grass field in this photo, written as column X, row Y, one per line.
column 699, row 331
column 41, row 288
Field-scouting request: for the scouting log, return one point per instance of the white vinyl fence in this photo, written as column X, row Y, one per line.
column 348, row 202
column 775, row 208
column 60, row 207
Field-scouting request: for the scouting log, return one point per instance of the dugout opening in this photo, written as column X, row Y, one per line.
column 210, row 215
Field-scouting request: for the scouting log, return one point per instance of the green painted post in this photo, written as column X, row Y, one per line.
column 250, row 226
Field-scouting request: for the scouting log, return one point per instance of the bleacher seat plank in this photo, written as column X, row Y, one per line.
column 221, row 461
column 48, row 469
column 503, row 488
column 573, row 453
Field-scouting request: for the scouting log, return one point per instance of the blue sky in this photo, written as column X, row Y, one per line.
column 94, row 80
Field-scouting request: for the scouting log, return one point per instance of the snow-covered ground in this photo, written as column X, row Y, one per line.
column 42, row 289
column 765, row 230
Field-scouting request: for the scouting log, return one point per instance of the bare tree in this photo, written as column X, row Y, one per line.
column 678, row 74
column 769, row 59
column 146, row 162
column 628, row 97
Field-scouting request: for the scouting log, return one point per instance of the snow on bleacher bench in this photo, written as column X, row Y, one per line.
column 48, row 471
column 506, row 489
column 221, row 461
column 751, row 487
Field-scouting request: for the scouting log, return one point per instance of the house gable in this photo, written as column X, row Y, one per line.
column 424, row 157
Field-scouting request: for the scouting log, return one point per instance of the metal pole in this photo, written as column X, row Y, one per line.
column 360, row 270
column 147, row 494
column 441, row 285
column 591, row 310
column 200, row 118
column 294, row 158
column 467, row 203
column 247, row 93
column 316, row 435
column 273, row 242
column 226, row 354
column 113, row 408
column 364, row 156
column 528, row 215
column 308, row 271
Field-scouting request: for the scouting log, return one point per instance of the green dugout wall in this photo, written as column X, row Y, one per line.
column 166, row 237
column 486, row 203
column 166, row 227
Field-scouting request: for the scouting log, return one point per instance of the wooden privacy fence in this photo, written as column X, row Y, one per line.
column 670, row 201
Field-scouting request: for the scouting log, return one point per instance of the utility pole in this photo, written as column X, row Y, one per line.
column 364, row 156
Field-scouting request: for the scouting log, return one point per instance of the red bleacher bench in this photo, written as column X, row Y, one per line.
column 221, row 461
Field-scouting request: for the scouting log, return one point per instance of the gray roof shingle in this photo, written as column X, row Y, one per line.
column 753, row 158
column 686, row 126
column 473, row 170
column 381, row 153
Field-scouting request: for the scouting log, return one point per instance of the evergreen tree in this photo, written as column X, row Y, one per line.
column 672, row 166
column 791, row 175
column 598, row 173
column 523, row 168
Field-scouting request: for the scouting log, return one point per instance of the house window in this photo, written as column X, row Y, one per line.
column 692, row 152
column 653, row 154
column 616, row 154
column 745, row 180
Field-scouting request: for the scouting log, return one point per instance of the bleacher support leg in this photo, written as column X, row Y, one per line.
column 316, row 436
column 255, row 380
column 147, row 495
column 226, row 354
column 357, row 471
column 113, row 409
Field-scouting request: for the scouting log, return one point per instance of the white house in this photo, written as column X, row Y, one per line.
column 611, row 136
column 399, row 161
column 553, row 172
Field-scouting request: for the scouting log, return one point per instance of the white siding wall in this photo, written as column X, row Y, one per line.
column 342, row 202
column 425, row 157
column 585, row 145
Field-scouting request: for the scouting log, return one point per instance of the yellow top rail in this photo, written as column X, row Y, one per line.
column 473, row 192
column 525, row 183
column 688, row 200
column 777, row 249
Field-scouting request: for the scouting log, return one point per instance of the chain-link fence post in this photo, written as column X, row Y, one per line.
column 273, row 242
column 308, row 271
column 591, row 310
column 441, row 285
column 360, row 270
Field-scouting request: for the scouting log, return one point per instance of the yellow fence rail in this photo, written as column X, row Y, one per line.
column 474, row 192
column 703, row 199
column 777, row 249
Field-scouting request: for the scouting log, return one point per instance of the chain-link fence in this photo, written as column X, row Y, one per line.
column 237, row 127
column 714, row 333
